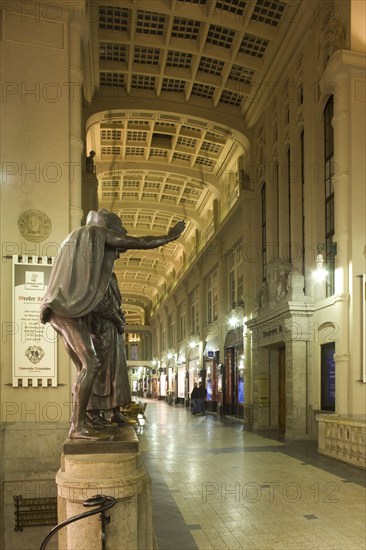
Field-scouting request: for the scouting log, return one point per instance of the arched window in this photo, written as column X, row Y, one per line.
column 329, row 194
column 288, row 162
column 263, row 229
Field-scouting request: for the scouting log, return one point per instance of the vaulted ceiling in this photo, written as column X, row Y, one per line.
column 175, row 81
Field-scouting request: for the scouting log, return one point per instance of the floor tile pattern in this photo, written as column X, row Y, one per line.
column 219, row 486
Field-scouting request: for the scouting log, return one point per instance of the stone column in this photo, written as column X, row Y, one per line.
column 75, row 124
column 337, row 80
column 260, row 388
column 111, row 468
column 296, row 390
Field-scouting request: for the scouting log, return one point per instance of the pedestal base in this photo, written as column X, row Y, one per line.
column 112, row 468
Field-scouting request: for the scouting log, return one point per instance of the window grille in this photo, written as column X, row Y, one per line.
column 232, row 6
column 148, row 56
column 211, row 66
column 204, row 161
column 231, row 98
column 220, row 36
column 186, row 141
column 136, row 135
column 111, row 135
column 150, row 23
column 268, row 12
column 112, row 52
column 181, row 156
column 173, row 85
column 185, row 28
column 143, row 82
column 180, row 60
column 241, row 74
column 113, row 18
column 135, row 151
column 202, row 90
column 253, row 46
column 109, row 150
column 116, row 80
column 158, row 153
column 210, row 147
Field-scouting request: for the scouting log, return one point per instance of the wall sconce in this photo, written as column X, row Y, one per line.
column 323, row 250
column 169, row 355
column 193, row 345
column 320, row 274
column 234, row 321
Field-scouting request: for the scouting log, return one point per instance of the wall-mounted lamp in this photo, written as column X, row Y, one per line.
column 320, row 274
column 169, row 355
column 234, row 321
column 192, row 345
column 325, row 251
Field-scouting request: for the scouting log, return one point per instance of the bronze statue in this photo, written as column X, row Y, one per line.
column 89, row 164
column 80, row 288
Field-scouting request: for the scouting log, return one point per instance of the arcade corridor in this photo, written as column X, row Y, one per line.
column 216, row 486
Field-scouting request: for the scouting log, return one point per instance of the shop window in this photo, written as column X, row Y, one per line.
column 327, row 377
column 240, row 386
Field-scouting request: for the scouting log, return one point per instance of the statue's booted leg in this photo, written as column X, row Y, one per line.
column 79, row 345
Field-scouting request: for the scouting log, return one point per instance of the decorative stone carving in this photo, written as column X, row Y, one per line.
column 299, row 70
column 260, row 152
column 331, row 39
column 300, row 117
column 34, row 225
column 283, row 283
column 295, row 286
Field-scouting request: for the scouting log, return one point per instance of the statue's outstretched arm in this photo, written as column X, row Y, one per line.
column 126, row 242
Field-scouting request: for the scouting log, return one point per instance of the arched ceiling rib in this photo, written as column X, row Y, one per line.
column 175, row 78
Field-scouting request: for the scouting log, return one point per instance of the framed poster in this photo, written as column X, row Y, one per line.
column 364, row 327
column 34, row 344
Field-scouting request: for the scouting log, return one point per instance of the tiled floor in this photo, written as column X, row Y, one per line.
column 217, row 486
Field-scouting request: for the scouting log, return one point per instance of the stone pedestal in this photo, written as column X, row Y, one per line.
column 112, row 468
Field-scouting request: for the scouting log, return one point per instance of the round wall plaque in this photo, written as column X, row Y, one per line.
column 34, row 225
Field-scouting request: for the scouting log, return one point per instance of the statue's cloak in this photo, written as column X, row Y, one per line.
column 80, row 275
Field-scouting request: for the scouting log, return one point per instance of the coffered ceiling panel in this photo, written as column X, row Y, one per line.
column 170, row 73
